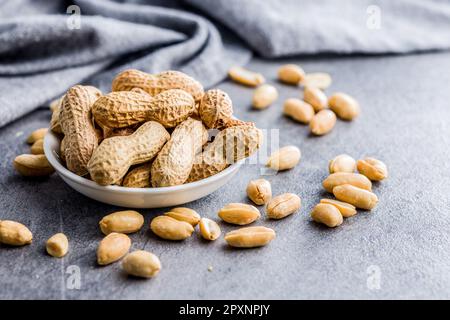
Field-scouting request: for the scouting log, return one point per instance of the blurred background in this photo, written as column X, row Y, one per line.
column 46, row 46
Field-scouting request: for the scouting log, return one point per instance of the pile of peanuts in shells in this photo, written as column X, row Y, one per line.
column 129, row 137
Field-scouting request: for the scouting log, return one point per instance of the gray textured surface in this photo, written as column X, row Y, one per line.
column 405, row 122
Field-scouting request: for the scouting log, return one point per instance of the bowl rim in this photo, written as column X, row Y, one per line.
column 60, row 169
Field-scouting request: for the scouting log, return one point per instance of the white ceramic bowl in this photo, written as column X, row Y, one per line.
column 136, row 197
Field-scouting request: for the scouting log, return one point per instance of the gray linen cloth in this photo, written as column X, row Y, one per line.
column 41, row 56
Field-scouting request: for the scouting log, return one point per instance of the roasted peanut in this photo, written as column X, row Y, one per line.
column 285, row 158
column 239, row 213
column 155, row 84
column 77, row 125
column 14, row 233
column 138, row 177
column 55, row 124
column 174, row 162
column 358, row 197
column 259, row 191
column 55, row 104
column 229, row 146
column 58, row 245
column 342, row 163
column 316, row 98
column 112, row 159
column 340, row 178
column 142, row 264
column 319, row 80
column 346, row 209
column 216, row 108
column 171, row 229
column 283, row 205
column 291, row 74
column 327, row 214
column 246, row 77
column 264, row 96
column 345, row 107
column 298, row 110
column 184, row 214
column 38, row 147
column 323, row 122
column 127, row 221
column 250, row 237
column 112, row 248
column 121, row 109
column 372, row 168
column 209, row 229
column 33, row 165
column 37, row 135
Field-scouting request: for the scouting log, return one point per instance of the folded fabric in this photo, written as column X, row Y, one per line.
column 42, row 52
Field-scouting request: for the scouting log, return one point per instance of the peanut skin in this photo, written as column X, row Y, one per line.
column 112, row 159
column 76, row 124
column 174, row 162
column 155, row 84
column 127, row 108
column 229, row 146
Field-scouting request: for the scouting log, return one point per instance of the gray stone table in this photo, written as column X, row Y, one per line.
column 399, row 250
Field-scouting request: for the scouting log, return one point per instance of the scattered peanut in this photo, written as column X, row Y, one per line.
column 37, row 135
column 127, row 221
column 319, row 80
column 283, row 205
column 142, row 264
column 291, row 74
column 58, row 245
column 345, row 107
column 112, row 159
column 216, row 108
column 155, row 84
column 358, row 197
column 250, row 237
column 316, row 98
column 264, row 96
column 171, row 229
column 346, row 209
column 38, row 147
column 246, row 77
column 372, row 168
column 139, row 177
column 209, row 229
column 298, row 110
column 259, row 191
column 112, row 248
column 342, row 163
column 174, row 162
column 184, row 214
column 327, row 214
column 340, row 178
column 33, row 165
column 239, row 213
column 285, row 158
column 77, row 126
column 323, row 122
column 14, row 233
